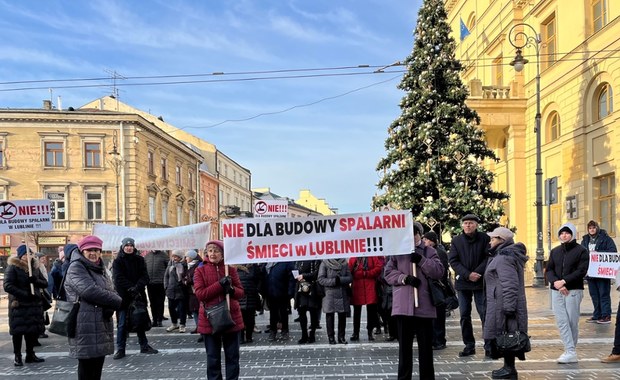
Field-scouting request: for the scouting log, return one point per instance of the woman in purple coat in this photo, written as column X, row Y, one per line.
column 414, row 320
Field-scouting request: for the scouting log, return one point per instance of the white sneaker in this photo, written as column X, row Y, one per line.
column 182, row 328
column 172, row 328
column 568, row 357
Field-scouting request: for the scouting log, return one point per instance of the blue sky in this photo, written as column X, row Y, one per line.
column 320, row 126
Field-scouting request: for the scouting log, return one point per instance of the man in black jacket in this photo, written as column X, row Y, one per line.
column 468, row 257
column 130, row 280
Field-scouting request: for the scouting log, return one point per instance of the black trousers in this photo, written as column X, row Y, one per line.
column 439, row 327
column 249, row 320
column 157, row 297
column 90, row 369
column 30, row 341
column 372, row 318
column 422, row 329
column 342, row 324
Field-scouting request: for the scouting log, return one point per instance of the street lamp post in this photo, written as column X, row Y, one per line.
column 520, row 39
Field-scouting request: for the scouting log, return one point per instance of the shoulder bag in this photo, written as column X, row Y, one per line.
column 64, row 319
column 219, row 316
column 138, row 316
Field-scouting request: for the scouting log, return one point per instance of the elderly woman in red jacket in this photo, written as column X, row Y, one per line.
column 211, row 285
column 365, row 271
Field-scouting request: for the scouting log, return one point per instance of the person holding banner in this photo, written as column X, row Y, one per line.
column 308, row 298
column 597, row 240
column 130, row 280
column 336, row 279
column 412, row 306
column 87, row 281
column 215, row 282
column 365, row 271
column 23, row 282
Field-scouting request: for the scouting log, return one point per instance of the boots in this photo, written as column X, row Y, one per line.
column 311, row 337
column 18, row 360
column 505, row 373
column 332, row 340
column 32, row 358
column 370, row 337
column 304, row 337
column 355, row 337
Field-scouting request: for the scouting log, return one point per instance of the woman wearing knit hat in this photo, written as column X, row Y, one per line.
column 25, row 306
column 175, row 291
column 87, row 281
column 214, row 282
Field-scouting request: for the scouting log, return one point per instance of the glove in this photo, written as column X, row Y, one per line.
column 133, row 292
column 413, row 281
column 32, row 279
column 337, row 279
column 230, row 290
column 415, row 257
column 225, row 282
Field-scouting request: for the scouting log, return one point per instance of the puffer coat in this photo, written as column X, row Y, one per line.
column 251, row 276
column 505, row 291
column 156, row 263
column 365, row 271
column 336, row 299
column 90, row 283
column 209, row 292
column 25, row 310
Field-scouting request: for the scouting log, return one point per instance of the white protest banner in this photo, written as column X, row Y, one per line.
column 603, row 264
column 25, row 216
column 193, row 236
column 317, row 238
column 270, row 208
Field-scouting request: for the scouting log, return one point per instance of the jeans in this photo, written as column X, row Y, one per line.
column 467, row 330
column 121, row 331
column 176, row 308
column 600, row 289
column 213, row 346
column 566, row 311
column 422, row 329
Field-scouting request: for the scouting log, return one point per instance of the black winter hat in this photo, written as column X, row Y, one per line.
column 127, row 241
column 473, row 217
column 432, row 236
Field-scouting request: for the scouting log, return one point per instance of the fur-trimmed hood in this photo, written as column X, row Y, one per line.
column 13, row 260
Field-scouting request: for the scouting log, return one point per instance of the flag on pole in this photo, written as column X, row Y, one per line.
column 464, row 31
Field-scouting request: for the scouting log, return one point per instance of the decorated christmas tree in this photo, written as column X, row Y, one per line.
column 435, row 150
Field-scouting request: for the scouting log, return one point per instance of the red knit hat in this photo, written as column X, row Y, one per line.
column 219, row 243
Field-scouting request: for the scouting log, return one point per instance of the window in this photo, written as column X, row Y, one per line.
column 605, row 202
column 94, row 206
column 548, row 42
column 553, row 127
column 57, row 205
column 558, row 217
column 177, row 175
column 190, row 180
column 151, row 162
column 498, row 71
column 151, row 209
column 604, row 101
column 2, row 154
column 179, row 215
column 599, row 14
column 164, row 168
column 191, row 216
column 92, row 155
column 54, row 154
column 202, row 199
column 164, row 212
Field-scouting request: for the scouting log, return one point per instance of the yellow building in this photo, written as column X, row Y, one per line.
column 309, row 200
column 578, row 43
column 95, row 167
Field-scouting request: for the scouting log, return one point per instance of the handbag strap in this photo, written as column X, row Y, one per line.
column 62, row 283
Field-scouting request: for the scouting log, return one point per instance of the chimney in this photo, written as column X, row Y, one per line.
column 47, row 104
column 59, row 103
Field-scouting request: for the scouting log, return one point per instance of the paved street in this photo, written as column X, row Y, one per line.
column 182, row 358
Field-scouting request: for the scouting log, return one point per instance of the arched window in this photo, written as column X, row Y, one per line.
column 604, row 101
column 553, row 127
